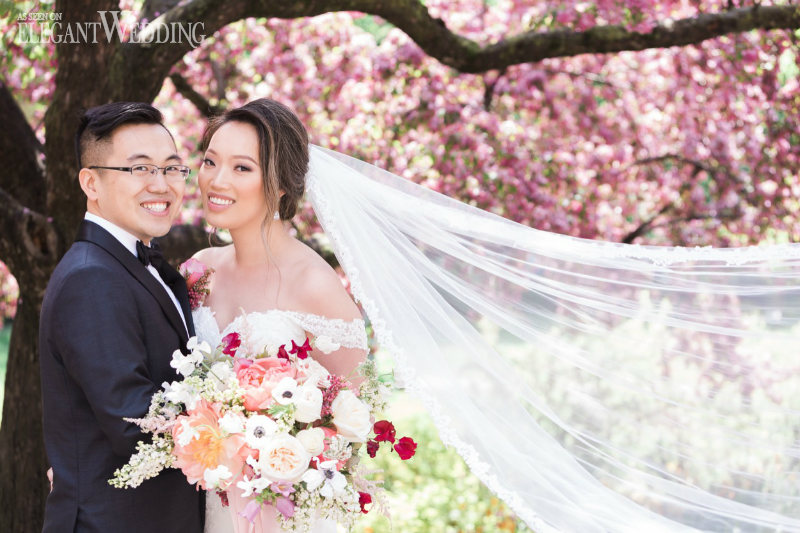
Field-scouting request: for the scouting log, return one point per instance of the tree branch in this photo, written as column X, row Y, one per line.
column 698, row 167
column 30, row 229
column 200, row 102
column 200, row 18
column 463, row 54
column 20, row 153
column 154, row 8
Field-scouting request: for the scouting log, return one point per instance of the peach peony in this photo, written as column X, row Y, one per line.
column 210, row 446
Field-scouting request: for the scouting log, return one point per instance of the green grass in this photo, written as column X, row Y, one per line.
column 5, row 336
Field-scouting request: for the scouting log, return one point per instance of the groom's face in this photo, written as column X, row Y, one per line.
column 145, row 207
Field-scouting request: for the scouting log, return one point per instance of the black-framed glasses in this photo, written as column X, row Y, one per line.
column 146, row 170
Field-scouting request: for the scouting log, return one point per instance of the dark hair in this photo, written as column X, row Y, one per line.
column 98, row 123
column 283, row 151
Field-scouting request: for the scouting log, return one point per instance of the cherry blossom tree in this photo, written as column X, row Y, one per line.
column 627, row 121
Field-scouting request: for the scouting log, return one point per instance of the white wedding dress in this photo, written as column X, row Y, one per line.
column 271, row 329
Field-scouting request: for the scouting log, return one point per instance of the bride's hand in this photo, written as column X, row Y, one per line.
column 50, row 477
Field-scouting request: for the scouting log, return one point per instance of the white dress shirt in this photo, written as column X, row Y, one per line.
column 129, row 242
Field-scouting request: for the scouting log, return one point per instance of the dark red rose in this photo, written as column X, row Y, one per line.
column 405, row 448
column 384, row 431
column 364, row 499
column 230, row 343
column 301, row 351
column 372, row 448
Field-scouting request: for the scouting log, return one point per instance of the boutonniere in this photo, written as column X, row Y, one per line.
column 197, row 277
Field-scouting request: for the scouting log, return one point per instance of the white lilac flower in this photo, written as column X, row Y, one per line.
column 284, row 392
column 258, row 430
column 179, row 392
column 212, row 477
column 325, row 344
column 231, row 423
column 332, row 481
column 253, row 486
column 308, row 404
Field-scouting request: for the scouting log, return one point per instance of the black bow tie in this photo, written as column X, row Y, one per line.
column 149, row 255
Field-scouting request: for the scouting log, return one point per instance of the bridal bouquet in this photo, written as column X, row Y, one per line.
column 277, row 427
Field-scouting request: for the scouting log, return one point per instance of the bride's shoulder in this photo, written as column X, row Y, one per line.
column 214, row 256
column 320, row 291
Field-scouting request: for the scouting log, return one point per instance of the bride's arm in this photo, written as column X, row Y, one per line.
column 322, row 294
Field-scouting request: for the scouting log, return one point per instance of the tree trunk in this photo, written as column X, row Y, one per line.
column 23, row 483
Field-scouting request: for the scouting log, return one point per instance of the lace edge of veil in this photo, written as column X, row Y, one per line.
column 447, row 434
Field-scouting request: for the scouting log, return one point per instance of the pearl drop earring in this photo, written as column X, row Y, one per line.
column 277, row 215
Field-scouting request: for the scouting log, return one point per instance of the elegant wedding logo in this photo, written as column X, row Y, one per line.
column 50, row 28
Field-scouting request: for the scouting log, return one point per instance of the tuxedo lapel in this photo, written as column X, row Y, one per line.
column 91, row 232
column 177, row 283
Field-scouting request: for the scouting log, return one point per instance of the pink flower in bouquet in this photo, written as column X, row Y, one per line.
column 205, row 445
column 258, row 378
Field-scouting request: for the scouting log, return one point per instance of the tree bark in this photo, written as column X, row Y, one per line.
column 23, row 484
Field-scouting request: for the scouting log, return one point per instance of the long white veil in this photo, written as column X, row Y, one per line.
column 595, row 387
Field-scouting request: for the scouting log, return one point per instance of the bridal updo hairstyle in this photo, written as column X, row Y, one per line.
column 283, row 156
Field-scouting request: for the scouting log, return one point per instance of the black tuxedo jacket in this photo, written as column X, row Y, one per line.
column 106, row 337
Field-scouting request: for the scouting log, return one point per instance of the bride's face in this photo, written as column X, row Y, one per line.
column 230, row 178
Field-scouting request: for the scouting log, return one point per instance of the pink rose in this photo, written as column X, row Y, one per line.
column 259, row 377
column 192, row 270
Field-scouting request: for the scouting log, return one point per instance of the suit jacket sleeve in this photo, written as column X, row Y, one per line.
column 103, row 349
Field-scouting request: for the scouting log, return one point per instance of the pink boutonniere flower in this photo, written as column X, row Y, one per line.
column 197, row 277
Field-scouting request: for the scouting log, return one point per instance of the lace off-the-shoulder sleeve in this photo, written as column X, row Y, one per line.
column 347, row 333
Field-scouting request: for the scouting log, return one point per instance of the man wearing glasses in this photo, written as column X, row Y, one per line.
column 113, row 313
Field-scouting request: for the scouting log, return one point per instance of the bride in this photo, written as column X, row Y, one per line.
column 594, row 387
column 251, row 180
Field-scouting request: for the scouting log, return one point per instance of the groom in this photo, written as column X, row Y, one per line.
column 112, row 315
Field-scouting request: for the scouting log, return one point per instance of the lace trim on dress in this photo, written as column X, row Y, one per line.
column 347, row 333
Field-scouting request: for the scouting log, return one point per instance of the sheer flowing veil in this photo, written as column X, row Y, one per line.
column 595, row 387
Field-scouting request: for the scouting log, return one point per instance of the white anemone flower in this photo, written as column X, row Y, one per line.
column 332, row 481
column 285, row 391
column 258, row 430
